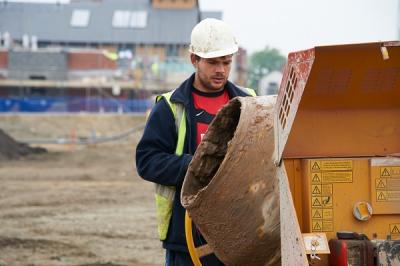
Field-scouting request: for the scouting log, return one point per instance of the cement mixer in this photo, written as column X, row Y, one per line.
column 314, row 178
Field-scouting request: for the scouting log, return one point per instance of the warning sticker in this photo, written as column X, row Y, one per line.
column 327, row 214
column 331, row 165
column 390, row 171
column 381, row 196
column 337, row 177
column 327, row 226
column 316, row 213
column 393, row 184
column 316, row 202
column 315, row 166
column 317, row 225
column 316, row 189
column 395, row 171
column 387, row 195
column 393, row 195
column 327, row 189
column 385, row 185
column 322, row 226
column 327, row 201
column 395, row 231
column 316, row 178
column 385, row 172
column 380, row 183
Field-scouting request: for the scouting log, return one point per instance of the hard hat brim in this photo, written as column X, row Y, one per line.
column 218, row 53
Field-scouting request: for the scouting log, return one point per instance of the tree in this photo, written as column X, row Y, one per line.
column 262, row 62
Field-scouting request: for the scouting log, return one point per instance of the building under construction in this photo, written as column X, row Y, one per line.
column 98, row 55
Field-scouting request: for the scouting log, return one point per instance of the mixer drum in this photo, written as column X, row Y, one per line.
column 231, row 189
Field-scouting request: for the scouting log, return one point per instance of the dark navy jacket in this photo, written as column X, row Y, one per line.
column 156, row 160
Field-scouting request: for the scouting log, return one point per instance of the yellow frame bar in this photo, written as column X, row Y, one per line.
column 189, row 240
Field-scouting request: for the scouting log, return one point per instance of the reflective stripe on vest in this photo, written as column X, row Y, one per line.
column 248, row 90
column 165, row 194
column 251, row 92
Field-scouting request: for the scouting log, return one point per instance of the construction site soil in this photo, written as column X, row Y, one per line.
column 74, row 204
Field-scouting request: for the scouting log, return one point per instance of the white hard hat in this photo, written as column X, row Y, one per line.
column 212, row 38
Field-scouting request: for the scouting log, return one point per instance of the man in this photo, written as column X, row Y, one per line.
column 176, row 125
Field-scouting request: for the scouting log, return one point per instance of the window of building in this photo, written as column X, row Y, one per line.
column 138, row 19
column 132, row 19
column 172, row 50
column 80, row 18
column 121, row 18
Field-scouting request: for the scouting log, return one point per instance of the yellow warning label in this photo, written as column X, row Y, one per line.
column 327, row 189
column 387, row 195
column 316, row 213
column 316, row 225
column 334, row 165
column 385, row 186
column 327, row 214
column 331, row 165
column 395, row 171
column 381, row 196
column 393, row 184
column 385, row 172
column 327, row 201
column 315, row 167
column 316, row 202
column 337, row 177
column 392, row 195
column 316, row 178
column 380, row 183
column 327, row 226
column 395, row 231
column 321, row 226
column 316, row 189
column 390, row 171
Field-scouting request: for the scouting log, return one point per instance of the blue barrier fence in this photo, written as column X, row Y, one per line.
column 73, row 104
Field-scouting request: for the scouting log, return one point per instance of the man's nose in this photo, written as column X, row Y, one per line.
column 220, row 68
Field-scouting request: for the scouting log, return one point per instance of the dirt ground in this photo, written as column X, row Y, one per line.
column 76, row 204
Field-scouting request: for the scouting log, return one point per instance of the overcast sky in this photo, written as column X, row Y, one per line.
column 291, row 25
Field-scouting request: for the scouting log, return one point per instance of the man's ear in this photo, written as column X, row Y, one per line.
column 194, row 60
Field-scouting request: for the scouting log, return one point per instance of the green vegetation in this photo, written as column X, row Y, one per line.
column 262, row 62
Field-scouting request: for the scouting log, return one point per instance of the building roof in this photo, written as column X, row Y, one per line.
column 52, row 22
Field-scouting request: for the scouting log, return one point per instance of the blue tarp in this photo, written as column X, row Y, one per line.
column 6, row 104
column 73, row 104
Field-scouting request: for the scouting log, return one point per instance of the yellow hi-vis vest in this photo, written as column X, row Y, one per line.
column 165, row 194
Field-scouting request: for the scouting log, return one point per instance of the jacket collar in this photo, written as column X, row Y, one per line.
column 183, row 93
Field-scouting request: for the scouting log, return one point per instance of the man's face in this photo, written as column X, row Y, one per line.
column 211, row 73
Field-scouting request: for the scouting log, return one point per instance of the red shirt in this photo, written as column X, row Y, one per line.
column 206, row 106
